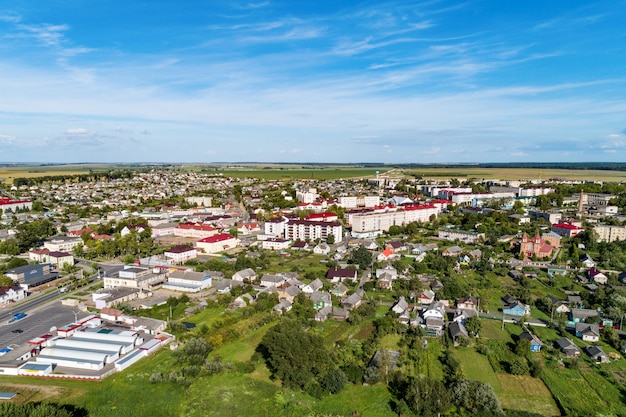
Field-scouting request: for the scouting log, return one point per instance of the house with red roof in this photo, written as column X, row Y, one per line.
column 567, row 229
column 326, row 216
column 217, row 243
column 195, row 230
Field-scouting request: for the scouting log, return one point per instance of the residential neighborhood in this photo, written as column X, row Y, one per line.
column 482, row 271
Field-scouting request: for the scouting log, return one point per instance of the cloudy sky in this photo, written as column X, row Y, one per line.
column 318, row 81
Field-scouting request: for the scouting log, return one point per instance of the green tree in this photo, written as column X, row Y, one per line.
column 362, row 257
column 473, row 325
column 475, row 397
column 6, row 281
column 294, row 356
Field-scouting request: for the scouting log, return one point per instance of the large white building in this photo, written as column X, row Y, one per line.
column 217, row 243
column 606, row 233
column 307, row 196
column 62, row 243
column 196, row 231
column 275, row 226
column 133, row 276
column 188, row 281
column 369, row 224
column 311, row 230
column 353, row 202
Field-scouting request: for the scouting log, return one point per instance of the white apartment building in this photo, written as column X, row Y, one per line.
column 369, row 224
column 606, row 233
column 275, row 226
column 62, row 243
column 352, row 202
column 311, row 230
column 307, row 196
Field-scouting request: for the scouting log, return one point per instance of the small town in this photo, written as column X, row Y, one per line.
column 428, row 296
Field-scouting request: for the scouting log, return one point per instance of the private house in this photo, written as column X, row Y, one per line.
column 462, row 314
column 516, row 309
column 588, row 332
column 469, row 303
column 535, row 342
column 11, row 294
column 352, row 302
column 452, row 251
column 597, row 276
column 180, row 254
column 320, row 299
column 283, row 306
column 288, row 292
column 388, row 270
column 400, row 306
column 321, row 249
column 339, row 290
column 245, row 275
column 313, row 286
column 322, row 314
column 272, row 281
column 426, row 297
column 586, row 261
column 435, row 310
column 340, row 275
column 300, row 245
column 127, row 230
column 242, row 301
column 385, row 282
column 597, row 354
column 581, row 314
column 567, row 347
column 457, row 331
column 386, row 255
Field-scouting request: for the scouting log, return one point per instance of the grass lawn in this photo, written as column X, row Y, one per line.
column 370, row 401
column 492, row 329
column 514, row 392
column 390, row 341
column 476, row 366
column 527, row 393
column 575, row 393
column 242, row 350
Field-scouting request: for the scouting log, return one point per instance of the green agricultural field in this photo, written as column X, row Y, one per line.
column 288, row 173
column 517, row 173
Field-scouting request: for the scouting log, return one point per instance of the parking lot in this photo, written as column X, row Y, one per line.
column 38, row 323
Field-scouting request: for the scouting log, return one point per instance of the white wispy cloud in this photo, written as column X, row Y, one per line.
column 47, row 34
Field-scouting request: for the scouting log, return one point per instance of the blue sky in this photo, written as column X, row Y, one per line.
column 323, row 81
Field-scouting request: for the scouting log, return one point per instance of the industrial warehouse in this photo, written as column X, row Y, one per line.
column 86, row 348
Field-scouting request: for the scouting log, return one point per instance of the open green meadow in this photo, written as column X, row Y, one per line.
column 514, row 392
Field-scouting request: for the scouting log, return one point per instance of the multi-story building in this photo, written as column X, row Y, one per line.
column 62, row 243
column 217, row 243
column 567, row 229
column 311, row 230
column 196, row 231
column 352, row 202
column 275, row 226
column 463, row 236
column 7, row 204
column 133, row 276
column 307, row 196
column 375, row 222
column 607, row 233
